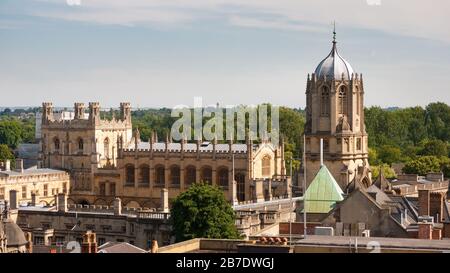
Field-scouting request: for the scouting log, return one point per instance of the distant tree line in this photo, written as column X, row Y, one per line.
column 416, row 136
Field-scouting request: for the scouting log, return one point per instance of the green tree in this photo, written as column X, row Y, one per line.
column 10, row 133
column 203, row 212
column 438, row 120
column 5, row 153
column 388, row 172
column 373, row 157
column 389, row 154
column 423, row 165
column 435, row 147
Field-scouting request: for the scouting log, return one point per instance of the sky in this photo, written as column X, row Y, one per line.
column 163, row 53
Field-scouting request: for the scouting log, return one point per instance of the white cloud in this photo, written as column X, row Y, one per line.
column 417, row 18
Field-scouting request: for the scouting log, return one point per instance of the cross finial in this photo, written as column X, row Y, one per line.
column 334, row 31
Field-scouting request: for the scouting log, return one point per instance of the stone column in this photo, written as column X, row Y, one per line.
column 164, row 200
column 117, row 206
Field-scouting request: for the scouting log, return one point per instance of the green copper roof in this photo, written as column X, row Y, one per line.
column 323, row 192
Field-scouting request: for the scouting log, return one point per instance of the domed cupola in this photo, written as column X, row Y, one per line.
column 334, row 66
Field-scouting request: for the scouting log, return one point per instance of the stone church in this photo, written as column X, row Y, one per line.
column 106, row 159
column 335, row 113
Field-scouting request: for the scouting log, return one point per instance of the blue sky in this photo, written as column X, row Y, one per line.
column 166, row 52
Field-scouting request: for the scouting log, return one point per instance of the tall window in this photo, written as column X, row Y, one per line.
column 106, row 147
column 325, row 102
column 129, row 174
column 358, row 144
column 24, row 192
column 144, row 172
column 80, row 144
column 191, row 175
column 207, row 175
column 358, row 100
column 112, row 189
column 160, row 175
column 46, row 190
column 56, row 144
column 343, row 101
column 175, row 175
column 102, row 189
column 266, row 166
column 222, row 179
column 240, row 186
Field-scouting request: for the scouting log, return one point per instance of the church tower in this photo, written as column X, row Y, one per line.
column 335, row 112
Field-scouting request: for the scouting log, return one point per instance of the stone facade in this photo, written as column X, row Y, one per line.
column 82, row 145
column 107, row 160
column 335, row 113
column 33, row 185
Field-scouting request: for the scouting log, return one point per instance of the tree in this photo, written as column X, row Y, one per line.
column 435, row 147
column 423, row 165
column 389, row 154
column 373, row 157
column 10, row 133
column 5, row 153
column 388, row 172
column 203, row 212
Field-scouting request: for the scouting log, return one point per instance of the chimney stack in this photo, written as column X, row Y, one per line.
column 164, row 200
column 7, row 165
column 89, row 244
column 19, row 165
column 424, row 202
column 62, row 202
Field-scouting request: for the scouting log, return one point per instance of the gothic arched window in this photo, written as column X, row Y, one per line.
column 175, row 175
column 265, row 166
column 160, row 175
column 106, row 148
column 358, row 100
column 191, row 175
column 343, row 101
column 223, row 177
column 240, row 186
column 129, row 174
column 206, row 175
column 325, row 102
column 144, row 172
column 56, row 143
column 80, row 144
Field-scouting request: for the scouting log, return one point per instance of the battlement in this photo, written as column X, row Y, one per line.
column 78, row 118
